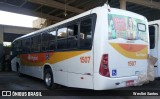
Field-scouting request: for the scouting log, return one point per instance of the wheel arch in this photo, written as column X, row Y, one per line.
column 46, row 66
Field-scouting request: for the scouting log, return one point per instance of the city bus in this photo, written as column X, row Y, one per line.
column 154, row 31
column 103, row 48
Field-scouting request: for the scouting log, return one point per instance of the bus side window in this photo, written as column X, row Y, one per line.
column 86, row 34
column 72, row 41
column 48, row 41
column 62, row 38
column 28, row 45
column 36, row 43
column 24, row 50
column 152, row 36
column 18, row 46
column 45, row 41
column 13, row 49
column 51, row 40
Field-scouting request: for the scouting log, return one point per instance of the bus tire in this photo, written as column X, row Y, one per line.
column 48, row 79
column 18, row 70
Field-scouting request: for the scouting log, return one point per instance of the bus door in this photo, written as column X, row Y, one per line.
column 153, row 35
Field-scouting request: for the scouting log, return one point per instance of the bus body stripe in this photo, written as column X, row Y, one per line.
column 132, row 51
column 39, row 59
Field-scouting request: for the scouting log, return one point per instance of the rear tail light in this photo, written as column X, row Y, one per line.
column 104, row 69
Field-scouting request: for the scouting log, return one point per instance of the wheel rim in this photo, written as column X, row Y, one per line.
column 48, row 79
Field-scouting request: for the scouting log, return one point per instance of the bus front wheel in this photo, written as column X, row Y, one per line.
column 48, row 79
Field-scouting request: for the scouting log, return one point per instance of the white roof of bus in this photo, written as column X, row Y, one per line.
column 57, row 24
column 117, row 11
column 154, row 22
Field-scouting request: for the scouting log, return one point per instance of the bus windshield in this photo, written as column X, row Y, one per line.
column 127, row 28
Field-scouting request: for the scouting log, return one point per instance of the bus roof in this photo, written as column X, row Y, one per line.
column 154, row 22
column 123, row 12
column 57, row 24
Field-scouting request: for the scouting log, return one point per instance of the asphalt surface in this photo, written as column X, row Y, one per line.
column 11, row 81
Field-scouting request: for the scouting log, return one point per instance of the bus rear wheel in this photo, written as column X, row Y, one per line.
column 48, row 79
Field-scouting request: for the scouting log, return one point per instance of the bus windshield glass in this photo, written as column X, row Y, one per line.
column 126, row 28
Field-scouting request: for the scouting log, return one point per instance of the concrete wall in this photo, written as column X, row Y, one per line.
column 41, row 23
column 123, row 4
column 16, row 29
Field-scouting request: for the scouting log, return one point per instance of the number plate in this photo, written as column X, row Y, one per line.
column 130, row 83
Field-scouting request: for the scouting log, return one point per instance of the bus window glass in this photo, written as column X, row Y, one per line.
column 51, row 39
column 18, row 46
column 28, row 45
column 152, row 36
column 62, row 38
column 141, row 27
column 36, row 43
column 72, row 32
column 24, row 46
column 13, row 50
column 48, row 41
column 85, row 34
column 45, row 38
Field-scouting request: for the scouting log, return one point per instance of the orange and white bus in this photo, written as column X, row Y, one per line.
column 103, row 48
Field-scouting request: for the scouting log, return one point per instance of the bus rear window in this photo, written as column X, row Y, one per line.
column 141, row 27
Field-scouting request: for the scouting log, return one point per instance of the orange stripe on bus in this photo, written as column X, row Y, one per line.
column 140, row 53
column 132, row 47
column 39, row 59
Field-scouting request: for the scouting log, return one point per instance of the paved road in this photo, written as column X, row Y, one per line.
column 11, row 81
